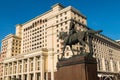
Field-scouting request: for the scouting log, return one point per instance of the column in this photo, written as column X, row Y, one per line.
column 42, row 67
column 51, row 55
column 6, row 78
column 34, row 62
column 111, row 65
column 17, row 76
column 12, row 77
column 17, row 70
column 46, row 75
column 103, row 64
column 28, row 75
column 8, row 69
column 118, row 66
column 12, row 67
column 3, row 71
column 22, row 76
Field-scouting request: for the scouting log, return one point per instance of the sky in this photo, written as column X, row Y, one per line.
column 101, row 14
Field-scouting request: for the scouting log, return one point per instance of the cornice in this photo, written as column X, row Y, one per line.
column 106, row 40
column 64, row 8
column 10, row 36
column 36, row 17
column 41, row 52
column 77, row 12
column 57, row 4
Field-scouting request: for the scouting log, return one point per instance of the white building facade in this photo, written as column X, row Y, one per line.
column 40, row 47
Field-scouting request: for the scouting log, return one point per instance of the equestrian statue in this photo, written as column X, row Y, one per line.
column 76, row 36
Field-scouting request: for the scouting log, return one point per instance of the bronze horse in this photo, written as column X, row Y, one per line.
column 78, row 37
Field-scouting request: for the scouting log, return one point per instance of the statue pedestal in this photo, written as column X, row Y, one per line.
column 77, row 68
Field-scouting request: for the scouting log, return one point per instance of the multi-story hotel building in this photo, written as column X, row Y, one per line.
column 11, row 45
column 1, row 66
column 31, row 54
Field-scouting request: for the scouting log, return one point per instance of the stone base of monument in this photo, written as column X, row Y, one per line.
column 77, row 68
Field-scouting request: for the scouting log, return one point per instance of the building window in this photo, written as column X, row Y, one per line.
column 57, row 16
column 65, row 13
column 45, row 20
column 74, row 17
column 57, row 35
column 57, row 40
column 56, row 21
column 57, row 45
column 65, row 17
column 56, row 26
column 61, row 19
column 58, row 51
column 61, row 24
column 61, row 14
column 57, row 30
column 82, row 21
column 66, row 27
column 61, row 29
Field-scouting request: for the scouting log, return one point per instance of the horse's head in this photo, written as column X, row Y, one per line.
column 94, row 32
column 99, row 31
column 62, row 35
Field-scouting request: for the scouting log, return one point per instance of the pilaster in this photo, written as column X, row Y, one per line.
column 118, row 66
column 8, row 69
column 42, row 67
column 22, row 76
column 17, row 76
column 28, row 69
column 34, row 61
column 51, row 55
column 28, row 76
column 3, row 71
column 17, row 70
column 12, row 67
column 103, row 64
column 111, row 65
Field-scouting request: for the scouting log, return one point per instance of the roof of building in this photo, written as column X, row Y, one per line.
column 51, row 10
column 11, row 36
